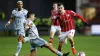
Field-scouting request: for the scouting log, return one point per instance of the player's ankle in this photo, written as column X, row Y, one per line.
column 72, row 45
column 50, row 40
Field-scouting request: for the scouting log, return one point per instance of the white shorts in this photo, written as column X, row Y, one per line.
column 55, row 29
column 20, row 32
column 64, row 35
column 38, row 42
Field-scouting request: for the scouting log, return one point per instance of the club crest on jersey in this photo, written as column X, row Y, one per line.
column 67, row 15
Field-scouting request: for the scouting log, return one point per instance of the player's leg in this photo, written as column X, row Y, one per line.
column 52, row 49
column 58, row 30
column 72, row 44
column 33, row 53
column 62, row 38
column 21, row 35
column 19, row 46
column 33, row 48
column 41, row 42
column 60, row 42
column 52, row 33
column 70, row 37
column 60, row 46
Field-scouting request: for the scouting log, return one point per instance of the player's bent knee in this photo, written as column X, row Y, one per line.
column 47, row 45
column 70, row 36
column 21, row 40
column 33, row 50
column 43, row 46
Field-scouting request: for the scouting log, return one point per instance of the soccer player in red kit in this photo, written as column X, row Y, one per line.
column 67, row 26
column 55, row 27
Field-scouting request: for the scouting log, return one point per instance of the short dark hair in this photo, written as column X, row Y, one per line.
column 29, row 13
column 59, row 4
column 55, row 3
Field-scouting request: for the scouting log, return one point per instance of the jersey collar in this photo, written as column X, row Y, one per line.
column 20, row 10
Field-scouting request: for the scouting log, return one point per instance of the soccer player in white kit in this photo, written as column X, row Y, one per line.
column 18, row 16
column 35, row 40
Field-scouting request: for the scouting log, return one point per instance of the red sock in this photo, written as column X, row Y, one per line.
column 50, row 40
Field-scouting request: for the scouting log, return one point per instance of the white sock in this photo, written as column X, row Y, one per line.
column 19, row 46
column 59, row 53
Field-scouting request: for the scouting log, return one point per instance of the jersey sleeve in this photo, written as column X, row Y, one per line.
column 27, row 23
column 77, row 15
column 72, row 13
column 25, row 11
column 12, row 14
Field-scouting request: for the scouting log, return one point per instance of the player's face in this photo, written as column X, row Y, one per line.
column 54, row 6
column 32, row 16
column 60, row 9
column 20, row 5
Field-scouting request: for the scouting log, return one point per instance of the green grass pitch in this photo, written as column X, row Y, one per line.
column 88, row 44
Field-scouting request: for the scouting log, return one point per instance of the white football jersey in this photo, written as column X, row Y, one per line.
column 19, row 18
column 33, row 32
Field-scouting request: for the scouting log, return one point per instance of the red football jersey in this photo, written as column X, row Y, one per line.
column 66, row 20
column 54, row 16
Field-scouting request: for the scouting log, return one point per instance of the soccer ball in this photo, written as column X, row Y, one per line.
column 81, row 54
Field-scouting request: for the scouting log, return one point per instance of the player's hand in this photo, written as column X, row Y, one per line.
column 86, row 24
column 46, row 20
column 6, row 25
column 57, row 18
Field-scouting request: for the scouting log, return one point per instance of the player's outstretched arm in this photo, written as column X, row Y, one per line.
column 80, row 17
column 77, row 15
column 47, row 19
column 84, row 21
column 11, row 20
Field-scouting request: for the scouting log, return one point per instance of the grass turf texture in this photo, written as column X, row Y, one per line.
column 88, row 44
